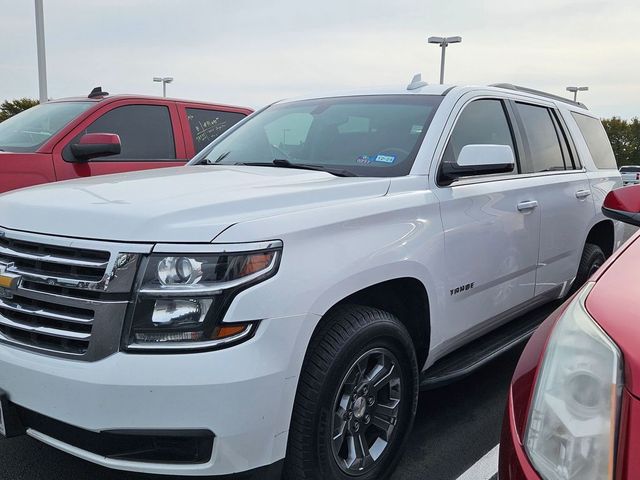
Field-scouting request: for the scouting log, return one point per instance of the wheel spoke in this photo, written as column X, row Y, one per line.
column 384, row 425
column 359, row 455
column 383, row 378
column 339, row 436
column 388, row 409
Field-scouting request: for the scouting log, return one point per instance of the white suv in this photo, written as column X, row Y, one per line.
column 276, row 306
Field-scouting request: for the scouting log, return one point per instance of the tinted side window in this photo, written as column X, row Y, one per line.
column 482, row 122
column 207, row 125
column 597, row 141
column 145, row 132
column 545, row 151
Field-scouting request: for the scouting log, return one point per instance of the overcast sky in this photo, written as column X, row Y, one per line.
column 251, row 52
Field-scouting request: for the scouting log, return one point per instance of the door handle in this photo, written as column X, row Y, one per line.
column 580, row 194
column 528, row 205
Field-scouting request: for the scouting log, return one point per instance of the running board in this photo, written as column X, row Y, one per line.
column 482, row 350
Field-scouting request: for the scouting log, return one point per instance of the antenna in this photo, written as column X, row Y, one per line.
column 416, row 82
column 97, row 92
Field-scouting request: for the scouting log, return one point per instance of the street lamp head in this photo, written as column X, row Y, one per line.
column 444, row 41
column 167, row 79
column 157, row 79
column 577, row 89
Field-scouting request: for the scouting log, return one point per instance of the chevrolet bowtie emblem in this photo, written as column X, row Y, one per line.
column 8, row 281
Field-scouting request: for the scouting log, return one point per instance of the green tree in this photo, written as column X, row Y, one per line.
column 625, row 139
column 9, row 108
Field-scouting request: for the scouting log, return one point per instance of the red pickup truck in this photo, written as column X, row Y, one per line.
column 100, row 134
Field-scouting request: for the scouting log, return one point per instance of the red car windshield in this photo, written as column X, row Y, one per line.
column 28, row 130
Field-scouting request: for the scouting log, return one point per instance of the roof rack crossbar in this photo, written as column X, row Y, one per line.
column 551, row 96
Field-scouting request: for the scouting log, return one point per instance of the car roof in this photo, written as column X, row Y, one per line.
column 113, row 98
column 440, row 90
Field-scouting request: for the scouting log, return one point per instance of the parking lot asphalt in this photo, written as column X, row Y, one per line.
column 455, row 428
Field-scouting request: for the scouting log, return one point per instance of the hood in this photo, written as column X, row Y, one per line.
column 612, row 303
column 183, row 204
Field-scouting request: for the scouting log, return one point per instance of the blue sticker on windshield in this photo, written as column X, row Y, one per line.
column 385, row 158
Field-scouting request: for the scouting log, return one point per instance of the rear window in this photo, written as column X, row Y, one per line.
column 629, row 169
column 207, row 125
column 597, row 141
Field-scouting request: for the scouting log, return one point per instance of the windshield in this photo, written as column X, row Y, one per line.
column 364, row 136
column 28, row 130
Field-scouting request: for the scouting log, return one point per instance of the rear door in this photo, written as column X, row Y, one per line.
column 202, row 124
column 491, row 228
column 560, row 186
column 150, row 133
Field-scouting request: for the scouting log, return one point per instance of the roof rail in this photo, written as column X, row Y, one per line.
column 558, row 98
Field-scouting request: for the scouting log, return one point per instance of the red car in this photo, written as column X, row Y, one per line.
column 99, row 134
column 573, row 411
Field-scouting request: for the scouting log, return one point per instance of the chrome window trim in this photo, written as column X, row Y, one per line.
column 495, row 178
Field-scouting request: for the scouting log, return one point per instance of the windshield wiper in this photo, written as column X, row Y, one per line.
column 282, row 163
column 219, row 159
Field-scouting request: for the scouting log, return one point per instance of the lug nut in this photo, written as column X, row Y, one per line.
column 371, row 401
column 367, row 419
column 349, row 415
column 356, row 426
column 365, row 390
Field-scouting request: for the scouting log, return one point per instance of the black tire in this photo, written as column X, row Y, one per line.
column 349, row 340
column 592, row 259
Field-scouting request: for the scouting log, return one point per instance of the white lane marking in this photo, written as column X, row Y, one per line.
column 483, row 469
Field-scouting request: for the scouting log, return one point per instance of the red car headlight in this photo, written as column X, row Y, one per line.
column 573, row 420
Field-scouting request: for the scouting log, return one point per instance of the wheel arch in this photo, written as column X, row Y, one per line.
column 602, row 234
column 406, row 298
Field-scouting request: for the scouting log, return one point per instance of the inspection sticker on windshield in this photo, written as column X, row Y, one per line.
column 385, row 158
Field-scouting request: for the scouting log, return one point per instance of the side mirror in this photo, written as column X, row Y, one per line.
column 623, row 204
column 480, row 160
column 93, row 145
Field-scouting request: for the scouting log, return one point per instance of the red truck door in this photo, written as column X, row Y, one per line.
column 150, row 133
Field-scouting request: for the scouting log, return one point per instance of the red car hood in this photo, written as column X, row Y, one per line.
column 614, row 303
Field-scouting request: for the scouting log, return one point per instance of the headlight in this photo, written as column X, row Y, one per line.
column 573, row 421
column 182, row 298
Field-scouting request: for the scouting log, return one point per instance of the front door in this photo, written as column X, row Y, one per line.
column 149, row 132
column 491, row 228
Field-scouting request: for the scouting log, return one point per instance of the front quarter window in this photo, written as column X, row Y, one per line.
column 28, row 130
column 375, row 136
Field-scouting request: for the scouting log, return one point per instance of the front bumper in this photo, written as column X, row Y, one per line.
column 242, row 395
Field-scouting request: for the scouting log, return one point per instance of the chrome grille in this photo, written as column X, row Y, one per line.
column 72, row 295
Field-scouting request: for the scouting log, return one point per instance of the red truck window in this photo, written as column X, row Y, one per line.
column 207, row 125
column 145, row 132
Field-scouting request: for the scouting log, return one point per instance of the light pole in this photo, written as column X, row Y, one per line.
column 575, row 91
column 42, row 59
column 444, row 43
column 164, row 81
